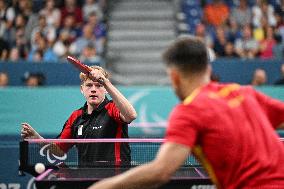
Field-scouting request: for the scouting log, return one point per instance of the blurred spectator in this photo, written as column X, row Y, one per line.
column 21, row 43
column 211, row 54
column 267, row 45
column 32, row 36
column 88, row 38
column 7, row 16
column 42, row 52
column 92, row 6
column 4, row 79
column 99, row 29
column 246, row 47
column 37, row 56
column 200, row 31
column 259, row 77
column 89, row 54
column 220, row 41
column 14, row 55
column 279, row 7
column 216, row 13
column 48, row 32
column 70, row 27
column 18, row 28
column 230, row 50
column 233, row 30
column 278, row 49
column 51, row 13
column 280, row 24
column 61, row 46
column 281, row 80
column 4, row 49
column 259, row 32
column 70, row 7
column 242, row 13
column 260, row 10
column 24, row 7
column 33, row 79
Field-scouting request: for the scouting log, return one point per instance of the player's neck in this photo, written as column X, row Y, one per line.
column 91, row 108
column 194, row 83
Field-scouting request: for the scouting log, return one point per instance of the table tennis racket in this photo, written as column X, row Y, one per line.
column 82, row 67
column 79, row 65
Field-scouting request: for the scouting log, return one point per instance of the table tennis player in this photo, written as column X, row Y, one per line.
column 228, row 127
column 98, row 118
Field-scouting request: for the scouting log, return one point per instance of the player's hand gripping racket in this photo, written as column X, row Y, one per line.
column 82, row 67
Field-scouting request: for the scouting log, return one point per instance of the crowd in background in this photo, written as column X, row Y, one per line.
column 242, row 28
column 49, row 30
column 38, row 31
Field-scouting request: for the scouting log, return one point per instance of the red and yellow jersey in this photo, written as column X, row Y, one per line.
column 231, row 130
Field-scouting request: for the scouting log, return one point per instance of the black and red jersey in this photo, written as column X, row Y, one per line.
column 103, row 122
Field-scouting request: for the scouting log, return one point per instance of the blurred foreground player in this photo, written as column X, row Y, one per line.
column 229, row 128
column 98, row 118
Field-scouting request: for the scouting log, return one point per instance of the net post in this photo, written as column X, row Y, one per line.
column 23, row 157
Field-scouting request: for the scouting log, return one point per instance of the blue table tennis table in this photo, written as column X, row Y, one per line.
column 185, row 177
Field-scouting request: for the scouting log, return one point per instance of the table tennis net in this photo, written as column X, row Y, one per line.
column 44, row 151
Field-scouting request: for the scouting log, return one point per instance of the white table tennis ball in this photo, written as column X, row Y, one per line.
column 39, row 168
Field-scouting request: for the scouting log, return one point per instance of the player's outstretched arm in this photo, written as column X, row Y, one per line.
column 27, row 132
column 128, row 113
column 156, row 173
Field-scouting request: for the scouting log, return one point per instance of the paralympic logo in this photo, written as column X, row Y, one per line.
column 147, row 119
column 51, row 158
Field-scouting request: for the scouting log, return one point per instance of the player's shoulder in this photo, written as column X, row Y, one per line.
column 77, row 112
column 204, row 95
column 227, row 87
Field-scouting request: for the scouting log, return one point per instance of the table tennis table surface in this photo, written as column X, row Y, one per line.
column 185, row 177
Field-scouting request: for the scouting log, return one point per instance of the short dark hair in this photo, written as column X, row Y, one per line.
column 188, row 54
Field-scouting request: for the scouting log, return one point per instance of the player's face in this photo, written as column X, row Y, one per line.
column 94, row 92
